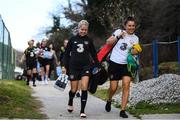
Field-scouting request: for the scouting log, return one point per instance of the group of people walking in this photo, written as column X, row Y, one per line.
column 80, row 54
column 40, row 61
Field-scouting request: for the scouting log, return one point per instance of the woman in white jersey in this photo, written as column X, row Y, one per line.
column 118, row 63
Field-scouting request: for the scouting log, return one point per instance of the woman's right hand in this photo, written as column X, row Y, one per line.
column 111, row 40
column 122, row 34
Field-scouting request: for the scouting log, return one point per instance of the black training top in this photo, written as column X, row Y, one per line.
column 79, row 52
column 30, row 53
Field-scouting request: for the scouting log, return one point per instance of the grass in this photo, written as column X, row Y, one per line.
column 143, row 107
column 168, row 67
column 16, row 101
column 102, row 94
column 146, row 108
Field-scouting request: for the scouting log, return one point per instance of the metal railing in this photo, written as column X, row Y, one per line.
column 156, row 52
column 7, row 53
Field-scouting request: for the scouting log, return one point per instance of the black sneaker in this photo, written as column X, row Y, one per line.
column 108, row 106
column 78, row 94
column 70, row 109
column 27, row 83
column 34, row 85
column 123, row 114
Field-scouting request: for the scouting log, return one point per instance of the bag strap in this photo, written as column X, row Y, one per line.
column 118, row 38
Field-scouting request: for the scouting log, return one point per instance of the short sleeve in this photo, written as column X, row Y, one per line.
column 25, row 51
column 117, row 32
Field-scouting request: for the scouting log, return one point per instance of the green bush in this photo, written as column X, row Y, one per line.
column 163, row 68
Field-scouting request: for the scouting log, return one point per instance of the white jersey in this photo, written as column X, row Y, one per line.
column 120, row 50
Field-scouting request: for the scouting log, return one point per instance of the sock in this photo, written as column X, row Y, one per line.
column 42, row 78
column 34, row 78
column 46, row 77
column 84, row 96
column 71, row 96
column 28, row 78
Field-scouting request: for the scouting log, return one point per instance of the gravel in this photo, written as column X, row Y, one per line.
column 164, row 89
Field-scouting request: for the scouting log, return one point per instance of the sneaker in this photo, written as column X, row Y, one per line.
column 83, row 115
column 123, row 114
column 78, row 94
column 27, row 83
column 108, row 106
column 46, row 82
column 34, row 85
column 70, row 108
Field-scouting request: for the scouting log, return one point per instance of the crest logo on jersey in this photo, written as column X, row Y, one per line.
column 87, row 71
column 123, row 46
column 131, row 42
column 86, row 42
column 71, row 77
column 111, row 76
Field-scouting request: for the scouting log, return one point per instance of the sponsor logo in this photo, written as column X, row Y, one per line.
column 123, row 46
column 87, row 71
column 86, row 42
column 71, row 76
column 111, row 76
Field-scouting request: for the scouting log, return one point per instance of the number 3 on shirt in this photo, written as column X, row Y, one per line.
column 80, row 48
column 31, row 54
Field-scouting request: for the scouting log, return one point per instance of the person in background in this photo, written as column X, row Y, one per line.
column 78, row 94
column 62, row 50
column 123, row 40
column 62, row 80
column 38, row 67
column 77, row 59
column 44, row 61
column 52, row 60
column 58, row 69
column 31, row 62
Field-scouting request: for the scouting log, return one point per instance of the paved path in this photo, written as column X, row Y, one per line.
column 55, row 104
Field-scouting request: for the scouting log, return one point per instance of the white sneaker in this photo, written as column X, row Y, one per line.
column 83, row 115
column 46, row 81
column 43, row 82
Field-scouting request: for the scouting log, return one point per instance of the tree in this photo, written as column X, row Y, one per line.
column 156, row 19
column 57, row 34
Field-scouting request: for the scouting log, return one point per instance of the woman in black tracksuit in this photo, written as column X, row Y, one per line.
column 77, row 60
column 31, row 62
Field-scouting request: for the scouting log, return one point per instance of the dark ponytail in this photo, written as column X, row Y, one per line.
column 130, row 18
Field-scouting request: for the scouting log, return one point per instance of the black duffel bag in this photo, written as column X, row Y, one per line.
column 98, row 77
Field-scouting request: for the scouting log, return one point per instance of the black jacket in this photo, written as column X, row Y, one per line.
column 80, row 51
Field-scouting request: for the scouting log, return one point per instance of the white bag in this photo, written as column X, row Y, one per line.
column 61, row 82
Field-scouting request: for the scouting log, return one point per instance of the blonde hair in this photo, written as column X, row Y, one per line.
column 83, row 22
column 30, row 41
